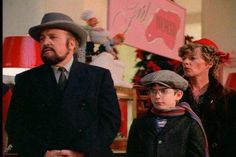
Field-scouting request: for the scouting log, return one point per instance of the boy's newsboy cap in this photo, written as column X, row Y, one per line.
column 166, row 78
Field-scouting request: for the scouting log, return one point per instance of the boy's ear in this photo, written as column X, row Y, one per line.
column 179, row 94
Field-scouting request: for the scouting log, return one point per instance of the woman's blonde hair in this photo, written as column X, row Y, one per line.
column 209, row 54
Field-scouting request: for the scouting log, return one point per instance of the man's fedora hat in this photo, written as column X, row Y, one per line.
column 60, row 21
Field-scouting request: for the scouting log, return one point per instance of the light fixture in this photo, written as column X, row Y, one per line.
column 20, row 53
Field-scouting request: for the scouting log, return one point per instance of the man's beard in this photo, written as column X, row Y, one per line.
column 53, row 59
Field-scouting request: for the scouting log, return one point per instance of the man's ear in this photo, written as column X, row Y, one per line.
column 71, row 44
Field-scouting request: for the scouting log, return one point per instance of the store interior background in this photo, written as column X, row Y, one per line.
column 213, row 19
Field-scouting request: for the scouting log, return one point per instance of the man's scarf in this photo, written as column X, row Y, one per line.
column 181, row 109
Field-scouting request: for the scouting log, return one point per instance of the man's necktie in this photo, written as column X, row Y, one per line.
column 62, row 78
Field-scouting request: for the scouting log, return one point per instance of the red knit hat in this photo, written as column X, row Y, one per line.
column 207, row 42
column 223, row 56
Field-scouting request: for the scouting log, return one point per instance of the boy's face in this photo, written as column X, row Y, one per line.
column 164, row 98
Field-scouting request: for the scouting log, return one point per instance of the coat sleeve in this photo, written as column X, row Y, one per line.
column 96, row 139
column 229, row 128
column 23, row 140
column 196, row 141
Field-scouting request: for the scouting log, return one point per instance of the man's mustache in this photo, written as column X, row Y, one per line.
column 46, row 48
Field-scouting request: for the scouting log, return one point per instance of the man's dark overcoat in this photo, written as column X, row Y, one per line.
column 85, row 117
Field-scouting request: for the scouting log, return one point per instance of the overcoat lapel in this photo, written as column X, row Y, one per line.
column 49, row 87
column 152, row 125
column 169, row 126
column 77, row 81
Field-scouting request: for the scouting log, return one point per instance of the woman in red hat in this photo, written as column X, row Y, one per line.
column 214, row 104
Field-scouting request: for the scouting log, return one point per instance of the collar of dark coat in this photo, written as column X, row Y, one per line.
column 215, row 91
column 152, row 126
column 216, row 99
column 76, row 80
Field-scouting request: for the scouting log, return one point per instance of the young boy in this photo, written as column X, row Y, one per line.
column 170, row 128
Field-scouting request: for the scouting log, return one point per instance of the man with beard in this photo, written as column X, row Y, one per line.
column 62, row 108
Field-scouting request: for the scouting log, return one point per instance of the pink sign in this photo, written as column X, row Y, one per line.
column 156, row 26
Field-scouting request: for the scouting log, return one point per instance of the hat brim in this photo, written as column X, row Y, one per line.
column 78, row 31
column 152, row 83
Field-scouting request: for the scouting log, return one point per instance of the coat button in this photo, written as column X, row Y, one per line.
column 83, row 105
column 159, row 141
column 214, row 145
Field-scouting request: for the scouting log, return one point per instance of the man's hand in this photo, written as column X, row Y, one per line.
column 63, row 153
column 71, row 153
column 53, row 153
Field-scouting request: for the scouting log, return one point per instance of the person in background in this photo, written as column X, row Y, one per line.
column 108, row 46
column 214, row 104
column 91, row 22
column 170, row 128
column 98, row 35
column 62, row 108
